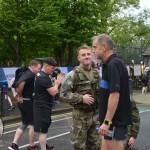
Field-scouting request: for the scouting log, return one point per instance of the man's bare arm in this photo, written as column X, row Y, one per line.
column 19, row 90
column 112, row 105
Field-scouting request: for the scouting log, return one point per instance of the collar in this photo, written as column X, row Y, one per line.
column 83, row 68
column 44, row 73
column 109, row 58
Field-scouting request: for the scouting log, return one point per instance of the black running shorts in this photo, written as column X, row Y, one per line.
column 42, row 119
column 120, row 133
column 26, row 110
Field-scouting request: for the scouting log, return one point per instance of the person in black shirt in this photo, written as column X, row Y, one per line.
column 145, row 78
column 114, row 104
column 25, row 92
column 44, row 92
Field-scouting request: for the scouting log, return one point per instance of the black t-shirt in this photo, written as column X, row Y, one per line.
column 115, row 78
column 42, row 83
column 28, row 78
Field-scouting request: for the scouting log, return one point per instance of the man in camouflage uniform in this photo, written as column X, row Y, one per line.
column 133, row 129
column 80, row 90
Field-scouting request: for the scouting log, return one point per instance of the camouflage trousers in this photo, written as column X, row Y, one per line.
column 83, row 133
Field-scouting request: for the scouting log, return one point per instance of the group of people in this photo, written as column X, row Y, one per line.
column 96, row 101
column 105, row 100
column 34, row 91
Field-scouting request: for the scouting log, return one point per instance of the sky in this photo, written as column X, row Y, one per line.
column 145, row 3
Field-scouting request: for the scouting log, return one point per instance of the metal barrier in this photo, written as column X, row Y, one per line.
column 4, row 101
column 137, row 83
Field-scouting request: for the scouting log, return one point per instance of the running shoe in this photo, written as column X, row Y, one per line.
column 49, row 147
column 13, row 147
column 35, row 147
column 11, row 107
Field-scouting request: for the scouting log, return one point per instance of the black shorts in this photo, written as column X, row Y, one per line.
column 145, row 83
column 42, row 119
column 119, row 133
column 26, row 109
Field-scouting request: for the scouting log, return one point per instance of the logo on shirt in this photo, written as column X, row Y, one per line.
column 104, row 84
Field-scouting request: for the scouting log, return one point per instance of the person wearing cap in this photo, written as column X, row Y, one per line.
column 44, row 92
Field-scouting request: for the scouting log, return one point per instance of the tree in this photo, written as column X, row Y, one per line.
column 35, row 28
column 82, row 20
column 131, row 33
column 27, row 27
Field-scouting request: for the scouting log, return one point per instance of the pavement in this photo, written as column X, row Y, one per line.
column 14, row 115
column 140, row 99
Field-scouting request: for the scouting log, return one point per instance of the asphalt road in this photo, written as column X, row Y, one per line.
column 58, row 134
column 143, row 139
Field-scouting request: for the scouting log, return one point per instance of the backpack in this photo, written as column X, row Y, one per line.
column 18, row 74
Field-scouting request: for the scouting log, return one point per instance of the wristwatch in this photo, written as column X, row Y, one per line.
column 107, row 122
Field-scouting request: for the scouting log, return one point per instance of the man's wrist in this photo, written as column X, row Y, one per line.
column 107, row 122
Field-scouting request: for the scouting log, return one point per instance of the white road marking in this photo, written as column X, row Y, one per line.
column 144, row 111
column 56, row 136
column 53, row 137
column 17, row 124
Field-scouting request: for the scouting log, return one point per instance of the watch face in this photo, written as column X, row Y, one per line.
column 106, row 122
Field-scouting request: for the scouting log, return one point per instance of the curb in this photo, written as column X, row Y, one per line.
column 142, row 104
column 18, row 118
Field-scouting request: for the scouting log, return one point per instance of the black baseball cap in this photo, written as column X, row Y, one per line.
column 50, row 61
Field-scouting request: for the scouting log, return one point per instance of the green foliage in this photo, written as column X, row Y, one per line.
column 42, row 28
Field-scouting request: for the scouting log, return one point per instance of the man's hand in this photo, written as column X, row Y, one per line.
column 131, row 142
column 103, row 129
column 60, row 77
column 88, row 99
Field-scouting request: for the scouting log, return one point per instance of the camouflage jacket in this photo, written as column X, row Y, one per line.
column 133, row 129
column 77, row 84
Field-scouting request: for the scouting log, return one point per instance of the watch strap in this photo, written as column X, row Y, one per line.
column 107, row 122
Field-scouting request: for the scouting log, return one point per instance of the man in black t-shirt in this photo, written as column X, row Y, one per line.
column 25, row 92
column 44, row 92
column 114, row 104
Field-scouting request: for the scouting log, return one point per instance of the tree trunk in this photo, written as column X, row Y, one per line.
column 70, row 56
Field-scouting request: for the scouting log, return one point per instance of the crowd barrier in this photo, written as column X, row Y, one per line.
column 6, row 74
